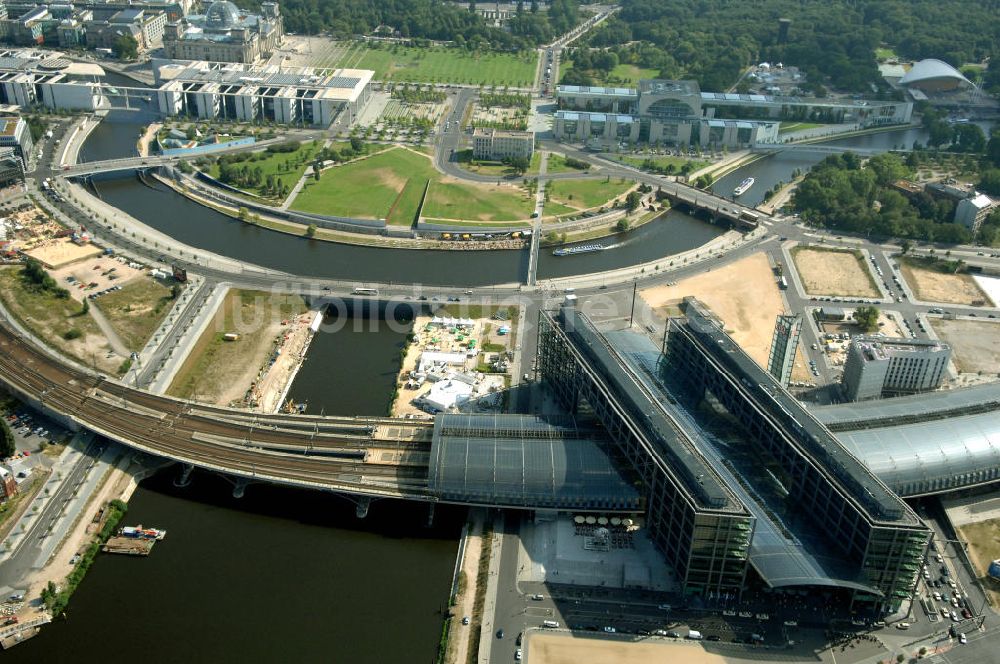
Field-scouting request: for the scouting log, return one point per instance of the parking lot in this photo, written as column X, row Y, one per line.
column 37, row 439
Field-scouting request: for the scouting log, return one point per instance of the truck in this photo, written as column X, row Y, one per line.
column 695, row 635
column 783, row 283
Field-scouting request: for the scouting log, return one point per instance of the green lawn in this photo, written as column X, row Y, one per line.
column 624, row 75
column 787, row 127
column 286, row 166
column 389, row 185
column 495, row 167
column 663, row 161
column 440, row 65
column 584, row 194
column 452, row 200
column 557, row 164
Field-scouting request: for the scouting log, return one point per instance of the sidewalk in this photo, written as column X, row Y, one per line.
column 490, row 603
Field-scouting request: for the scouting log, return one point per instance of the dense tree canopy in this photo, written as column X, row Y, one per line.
column 426, row 19
column 845, row 193
column 831, row 41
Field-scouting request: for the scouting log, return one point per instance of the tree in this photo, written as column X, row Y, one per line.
column 622, row 225
column 519, row 164
column 867, row 318
column 901, row 658
column 175, row 291
column 316, row 169
column 632, row 201
column 905, row 246
column 6, row 440
column 126, row 48
column 86, row 306
column 243, row 213
column 357, row 144
column 311, row 230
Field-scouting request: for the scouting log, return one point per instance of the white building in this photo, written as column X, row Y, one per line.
column 446, row 395
column 30, row 78
column 877, row 366
column 496, row 144
column 247, row 93
column 972, row 212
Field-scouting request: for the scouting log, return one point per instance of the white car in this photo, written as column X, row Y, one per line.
column 962, row 639
column 517, row 654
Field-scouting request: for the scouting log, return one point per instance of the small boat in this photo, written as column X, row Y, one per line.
column 580, row 249
column 138, row 532
column 743, row 187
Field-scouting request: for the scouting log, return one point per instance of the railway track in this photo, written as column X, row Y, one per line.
column 326, row 453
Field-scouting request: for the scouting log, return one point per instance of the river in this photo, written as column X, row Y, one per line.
column 276, row 576
column 780, row 167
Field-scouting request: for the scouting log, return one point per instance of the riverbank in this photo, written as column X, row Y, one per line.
column 289, row 354
column 340, row 237
column 147, row 137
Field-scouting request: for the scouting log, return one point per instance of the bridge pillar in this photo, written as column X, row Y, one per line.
column 240, row 487
column 430, row 515
column 185, row 477
column 364, row 502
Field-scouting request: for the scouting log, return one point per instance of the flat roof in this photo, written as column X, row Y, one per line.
column 338, row 84
column 595, row 91
column 878, row 413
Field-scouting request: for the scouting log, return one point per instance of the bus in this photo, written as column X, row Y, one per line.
column 365, row 291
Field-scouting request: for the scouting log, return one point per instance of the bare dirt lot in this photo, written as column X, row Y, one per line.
column 975, row 345
column 828, row 272
column 62, row 251
column 559, row 649
column 744, row 295
column 984, row 547
column 222, row 372
column 931, row 286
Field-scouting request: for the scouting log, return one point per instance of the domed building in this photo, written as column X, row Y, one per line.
column 225, row 33
column 934, row 76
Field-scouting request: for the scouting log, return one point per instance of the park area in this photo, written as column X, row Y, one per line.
column 744, row 295
column 436, row 64
column 587, row 193
column 389, row 185
column 931, row 282
column 825, row 271
column 269, row 173
column 221, row 372
column 623, row 74
column 975, row 345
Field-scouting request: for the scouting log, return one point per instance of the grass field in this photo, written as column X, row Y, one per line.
column 287, row 167
column 389, row 185
column 622, row 75
column 882, row 54
column 450, row 200
column 585, row 194
column 495, row 167
column 557, row 164
column 435, row 65
column 136, row 310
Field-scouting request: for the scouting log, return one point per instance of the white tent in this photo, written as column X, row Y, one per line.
column 448, row 321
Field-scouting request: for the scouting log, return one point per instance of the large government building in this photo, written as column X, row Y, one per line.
column 679, row 113
column 225, row 33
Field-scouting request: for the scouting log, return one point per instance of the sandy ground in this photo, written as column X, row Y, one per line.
column 91, row 271
column 744, row 295
column 545, row 648
column 223, row 371
column 447, row 343
column 984, row 547
column 294, row 342
column 975, row 345
column 62, row 251
column 930, row 286
column 147, row 138
column 825, row 272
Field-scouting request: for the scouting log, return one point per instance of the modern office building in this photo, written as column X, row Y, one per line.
column 784, row 343
column 15, row 134
column 972, row 212
column 42, row 78
column 144, row 25
column 225, row 33
column 877, row 366
column 11, row 168
column 679, row 113
column 496, row 144
column 822, row 520
column 247, row 93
